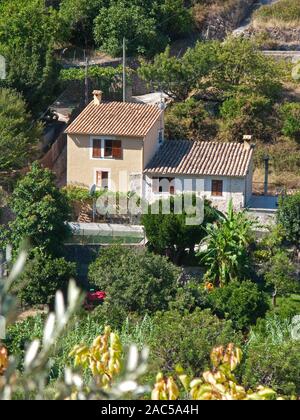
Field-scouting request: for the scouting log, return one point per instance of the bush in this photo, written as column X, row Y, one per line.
column 241, row 302
column 189, row 120
column 187, row 340
column 273, row 365
column 41, row 212
column 134, row 280
column 42, row 277
column 247, row 113
column 289, row 217
column 290, row 114
column 169, row 234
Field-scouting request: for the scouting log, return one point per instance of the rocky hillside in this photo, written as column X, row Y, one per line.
column 277, row 25
column 215, row 19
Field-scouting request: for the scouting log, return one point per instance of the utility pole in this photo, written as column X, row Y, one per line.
column 124, row 70
column 86, row 81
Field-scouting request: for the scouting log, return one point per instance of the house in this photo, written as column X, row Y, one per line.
column 121, row 147
column 110, row 144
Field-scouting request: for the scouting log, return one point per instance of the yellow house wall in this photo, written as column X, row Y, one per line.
column 151, row 141
column 81, row 167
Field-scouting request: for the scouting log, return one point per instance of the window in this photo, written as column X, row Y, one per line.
column 102, row 179
column 217, row 188
column 107, row 149
column 97, row 149
column 112, row 149
column 163, row 185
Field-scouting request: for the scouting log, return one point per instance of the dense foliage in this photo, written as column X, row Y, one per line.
column 227, row 256
column 171, row 234
column 241, row 302
column 137, row 282
column 41, row 279
column 28, row 32
column 289, row 217
column 41, row 212
column 19, row 135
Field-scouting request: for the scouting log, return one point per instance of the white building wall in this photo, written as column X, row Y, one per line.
column 233, row 188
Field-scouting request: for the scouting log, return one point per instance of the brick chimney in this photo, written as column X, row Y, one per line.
column 97, row 97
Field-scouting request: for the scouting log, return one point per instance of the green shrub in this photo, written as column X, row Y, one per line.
column 134, row 280
column 272, row 356
column 246, row 113
column 290, row 114
column 42, row 277
column 187, row 340
column 241, row 302
column 289, row 217
column 281, row 274
column 189, row 120
column 169, row 234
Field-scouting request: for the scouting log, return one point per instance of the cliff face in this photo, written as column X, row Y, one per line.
column 220, row 21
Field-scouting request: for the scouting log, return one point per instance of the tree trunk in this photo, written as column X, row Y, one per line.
column 274, row 298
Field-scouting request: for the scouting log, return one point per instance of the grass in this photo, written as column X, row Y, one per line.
column 282, row 14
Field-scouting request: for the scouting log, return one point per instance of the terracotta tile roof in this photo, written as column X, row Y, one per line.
column 201, row 158
column 115, row 118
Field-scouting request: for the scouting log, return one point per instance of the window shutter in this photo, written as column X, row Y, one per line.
column 117, row 149
column 96, row 149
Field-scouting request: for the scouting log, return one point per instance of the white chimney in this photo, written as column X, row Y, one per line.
column 97, row 97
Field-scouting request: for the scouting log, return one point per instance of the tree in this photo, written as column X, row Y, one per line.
column 124, row 19
column 247, row 70
column 28, row 32
column 41, row 212
column 289, row 217
column 188, row 120
column 281, row 275
column 241, row 302
column 290, row 114
column 227, row 254
column 79, row 16
column 18, row 133
column 41, row 279
column 147, row 25
column 177, row 77
column 169, row 234
column 247, row 113
column 134, row 280
column 212, row 65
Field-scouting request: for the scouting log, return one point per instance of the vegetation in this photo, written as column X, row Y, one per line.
column 289, row 217
column 19, row 135
column 242, row 303
column 283, row 13
column 137, row 282
column 170, row 234
column 28, row 32
column 41, row 279
column 41, row 212
column 227, row 254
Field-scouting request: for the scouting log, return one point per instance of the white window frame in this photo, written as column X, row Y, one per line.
column 103, row 139
column 102, row 170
